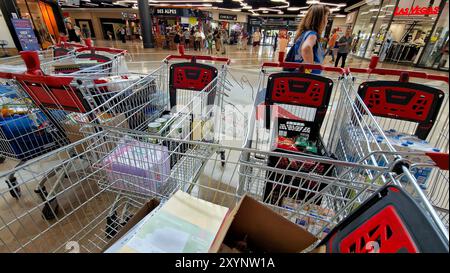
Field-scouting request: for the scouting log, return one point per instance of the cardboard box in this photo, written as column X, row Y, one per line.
column 265, row 229
column 141, row 213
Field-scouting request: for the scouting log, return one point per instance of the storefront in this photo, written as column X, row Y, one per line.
column 270, row 28
column 44, row 15
column 403, row 31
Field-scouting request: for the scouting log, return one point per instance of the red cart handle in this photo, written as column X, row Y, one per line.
column 440, row 159
column 104, row 49
column 196, row 57
column 302, row 66
column 402, row 73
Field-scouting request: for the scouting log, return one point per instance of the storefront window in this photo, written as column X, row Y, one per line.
column 363, row 26
column 408, row 32
column 436, row 52
column 43, row 20
column 381, row 27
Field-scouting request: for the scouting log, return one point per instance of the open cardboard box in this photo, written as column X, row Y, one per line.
column 265, row 229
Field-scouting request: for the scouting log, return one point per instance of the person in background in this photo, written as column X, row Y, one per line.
column 331, row 43
column 73, row 37
column 123, row 35
column 256, row 38
column 275, row 42
column 223, row 39
column 344, row 44
column 109, row 34
column 306, row 48
column 209, row 40
column 86, row 32
column 217, row 38
column 239, row 41
column 197, row 40
column 177, row 38
column 187, row 38
column 244, row 40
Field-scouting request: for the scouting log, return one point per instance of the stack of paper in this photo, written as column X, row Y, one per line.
column 184, row 224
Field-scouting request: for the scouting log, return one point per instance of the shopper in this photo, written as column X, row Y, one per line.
column 197, row 40
column 223, row 38
column 239, row 41
column 256, row 37
column 331, row 44
column 123, row 35
column 217, row 40
column 344, row 44
column 73, row 37
column 177, row 38
column 86, row 32
column 275, row 42
column 209, row 40
column 187, row 38
column 306, row 48
column 244, row 40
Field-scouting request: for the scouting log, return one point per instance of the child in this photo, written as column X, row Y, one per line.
column 210, row 40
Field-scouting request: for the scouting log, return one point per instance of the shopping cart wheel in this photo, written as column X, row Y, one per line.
column 51, row 207
column 14, row 190
column 112, row 225
column 222, row 158
column 2, row 159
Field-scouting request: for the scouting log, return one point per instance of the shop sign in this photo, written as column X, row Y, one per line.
column 168, row 12
column 255, row 21
column 25, row 34
column 229, row 17
column 417, row 10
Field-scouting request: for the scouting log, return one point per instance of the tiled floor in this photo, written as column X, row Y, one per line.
column 244, row 76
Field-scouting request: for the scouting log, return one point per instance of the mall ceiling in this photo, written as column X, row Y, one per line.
column 253, row 7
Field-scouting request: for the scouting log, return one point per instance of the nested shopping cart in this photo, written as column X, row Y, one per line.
column 186, row 103
column 415, row 118
column 299, row 109
column 25, row 130
column 98, row 194
column 30, row 125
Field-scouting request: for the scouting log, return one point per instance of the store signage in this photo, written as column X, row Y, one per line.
column 230, row 17
column 168, row 12
column 25, row 34
column 417, row 10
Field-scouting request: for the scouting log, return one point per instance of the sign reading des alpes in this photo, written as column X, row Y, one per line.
column 417, row 10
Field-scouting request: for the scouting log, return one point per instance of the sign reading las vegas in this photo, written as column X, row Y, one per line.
column 417, row 10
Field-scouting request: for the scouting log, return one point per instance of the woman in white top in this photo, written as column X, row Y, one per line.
column 256, row 38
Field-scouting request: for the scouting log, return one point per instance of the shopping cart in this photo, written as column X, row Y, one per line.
column 31, row 126
column 95, row 191
column 415, row 118
column 187, row 102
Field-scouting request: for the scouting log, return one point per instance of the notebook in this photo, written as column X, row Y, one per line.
column 184, row 224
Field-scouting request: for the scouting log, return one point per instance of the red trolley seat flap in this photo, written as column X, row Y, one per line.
column 404, row 101
column 389, row 222
column 299, row 89
column 53, row 92
column 191, row 76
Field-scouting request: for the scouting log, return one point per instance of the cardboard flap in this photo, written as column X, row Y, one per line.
column 268, row 230
column 220, row 236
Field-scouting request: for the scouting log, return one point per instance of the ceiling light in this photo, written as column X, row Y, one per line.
column 340, row 15
column 246, row 7
column 331, row 4
column 236, row 10
column 312, row 2
column 265, row 11
column 280, row 12
column 293, row 8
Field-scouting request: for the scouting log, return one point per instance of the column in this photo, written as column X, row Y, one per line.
column 146, row 23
